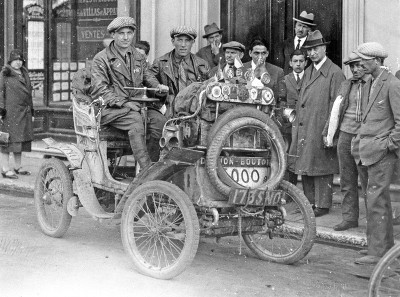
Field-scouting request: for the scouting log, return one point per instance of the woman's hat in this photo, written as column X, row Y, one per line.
column 306, row 18
column 211, row 29
column 16, row 54
column 315, row 39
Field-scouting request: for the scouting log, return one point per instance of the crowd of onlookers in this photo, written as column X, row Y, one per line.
column 346, row 126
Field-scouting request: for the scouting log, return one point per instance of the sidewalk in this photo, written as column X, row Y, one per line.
column 354, row 238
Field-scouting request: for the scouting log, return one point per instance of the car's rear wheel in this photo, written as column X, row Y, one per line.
column 53, row 189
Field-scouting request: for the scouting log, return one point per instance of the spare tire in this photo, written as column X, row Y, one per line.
column 274, row 150
column 239, row 112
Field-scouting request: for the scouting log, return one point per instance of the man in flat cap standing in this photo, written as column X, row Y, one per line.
column 117, row 66
column 213, row 52
column 179, row 68
column 377, row 148
column 307, row 154
column 303, row 26
column 343, row 125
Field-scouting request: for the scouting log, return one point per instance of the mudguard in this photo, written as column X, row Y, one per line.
column 70, row 150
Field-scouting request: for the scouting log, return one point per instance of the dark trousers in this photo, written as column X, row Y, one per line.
column 379, row 211
column 318, row 189
column 134, row 124
column 289, row 175
column 349, row 179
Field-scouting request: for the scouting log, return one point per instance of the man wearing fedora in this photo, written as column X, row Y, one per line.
column 343, row 125
column 179, row 68
column 303, row 26
column 308, row 156
column 377, row 148
column 213, row 52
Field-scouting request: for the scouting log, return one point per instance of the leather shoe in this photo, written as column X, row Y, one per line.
column 319, row 212
column 363, row 252
column 345, row 225
column 367, row 260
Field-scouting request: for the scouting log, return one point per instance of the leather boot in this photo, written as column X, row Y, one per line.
column 139, row 149
column 153, row 148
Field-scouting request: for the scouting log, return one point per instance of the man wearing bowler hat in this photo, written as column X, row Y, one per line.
column 304, row 24
column 213, row 52
column 179, row 68
column 377, row 148
column 343, row 125
column 308, row 156
column 117, row 66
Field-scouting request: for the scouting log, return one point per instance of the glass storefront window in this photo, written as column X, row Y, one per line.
column 34, row 16
column 78, row 28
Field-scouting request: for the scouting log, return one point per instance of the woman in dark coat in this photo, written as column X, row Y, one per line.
column 16, row 113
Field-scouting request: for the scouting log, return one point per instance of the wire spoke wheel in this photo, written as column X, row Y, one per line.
column 385, row 279
column 160, row 229
column 53, row 189
column 293, row 233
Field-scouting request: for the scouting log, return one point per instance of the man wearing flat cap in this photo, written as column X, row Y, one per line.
column 179, row 68
column 343, row 125
column 117, row 66
column 232, row 51
column 308, row 155
column 304, row 24
column 269, row 75
column 213, row 52
column 377, row 148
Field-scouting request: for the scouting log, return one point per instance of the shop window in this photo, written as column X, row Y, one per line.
column 35, row 40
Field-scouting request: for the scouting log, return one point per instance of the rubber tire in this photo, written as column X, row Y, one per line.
column 383, row 264
column 191, row 222
column 310, row 229
column 218, row 177
column 66, row 180
column 239, row 112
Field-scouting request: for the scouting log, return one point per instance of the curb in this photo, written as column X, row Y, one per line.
column 21, row 187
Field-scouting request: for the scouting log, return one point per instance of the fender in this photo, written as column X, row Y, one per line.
column 70, row 150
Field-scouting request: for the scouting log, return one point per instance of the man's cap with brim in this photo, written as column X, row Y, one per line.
column 314, row 39
column 234, row 45
column 183, row 30
column 352, row 58
column 306, row 18
column 371, row 50
column 211, row 29
column 121, row 22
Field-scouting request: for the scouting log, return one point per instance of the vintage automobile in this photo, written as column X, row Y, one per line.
column 220, row 173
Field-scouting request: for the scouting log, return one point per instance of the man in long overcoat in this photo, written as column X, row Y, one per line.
column 117, row 66
column 307, row 155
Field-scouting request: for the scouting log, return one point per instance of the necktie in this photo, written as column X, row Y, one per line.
column 182, row 76
column 297, row 78
column 358, row 102
column 298, row 44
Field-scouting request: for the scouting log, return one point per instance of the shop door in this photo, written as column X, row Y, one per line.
column 273, row 20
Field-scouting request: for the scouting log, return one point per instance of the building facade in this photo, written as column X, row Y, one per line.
column 60, row 36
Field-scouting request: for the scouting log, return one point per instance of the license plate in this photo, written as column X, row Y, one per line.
column 249, row 172
column 255, row 197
